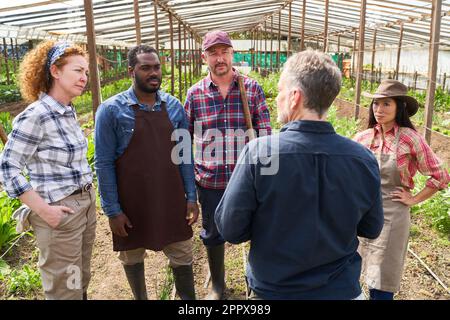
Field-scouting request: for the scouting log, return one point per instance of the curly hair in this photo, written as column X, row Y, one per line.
column 33, row 74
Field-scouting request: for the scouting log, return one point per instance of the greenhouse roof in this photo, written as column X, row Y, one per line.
column 115, row 19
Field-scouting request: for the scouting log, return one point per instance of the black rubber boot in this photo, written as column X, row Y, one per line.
column 184, row 282
column 216, row 256
column 136, row 278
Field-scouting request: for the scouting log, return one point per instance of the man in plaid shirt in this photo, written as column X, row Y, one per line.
column 216, row 120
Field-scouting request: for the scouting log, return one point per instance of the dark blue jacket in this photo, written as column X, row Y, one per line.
column 303, row 221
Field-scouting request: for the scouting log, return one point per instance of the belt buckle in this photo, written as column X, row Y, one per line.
column 87, row 187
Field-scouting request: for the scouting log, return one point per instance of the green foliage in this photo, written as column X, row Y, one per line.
column 24, row 282
column 346, row 127
column 166, row 83
column 6, row 121
column 436, row 209
column 7, row 225
column 91, row 151
column 441, row 99
column 12, row 75
column 166, row 289
column 83, row 103
column 117, row 72
column 269, row 84
column 9, row 93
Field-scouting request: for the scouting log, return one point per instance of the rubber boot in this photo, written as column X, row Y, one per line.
column 136, row 278
column 184, row 282
column 216, row 257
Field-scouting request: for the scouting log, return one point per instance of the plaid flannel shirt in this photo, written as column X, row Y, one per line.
column 413, row 154
column 46, row 140
column 213, row 121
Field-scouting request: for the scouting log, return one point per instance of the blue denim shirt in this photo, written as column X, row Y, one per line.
column 114, row 126
column 303, row 221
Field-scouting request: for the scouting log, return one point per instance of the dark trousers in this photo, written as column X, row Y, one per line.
column 209, row 199
column 380, row 295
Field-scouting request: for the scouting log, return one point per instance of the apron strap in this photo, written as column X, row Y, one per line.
column 379, row 151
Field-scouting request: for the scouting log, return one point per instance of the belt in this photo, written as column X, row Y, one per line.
column 86, row 188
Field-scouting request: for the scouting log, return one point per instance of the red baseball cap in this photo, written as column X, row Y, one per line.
column 216, row 37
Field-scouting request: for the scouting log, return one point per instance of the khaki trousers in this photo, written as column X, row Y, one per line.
column 65, row 251
column 179, row 254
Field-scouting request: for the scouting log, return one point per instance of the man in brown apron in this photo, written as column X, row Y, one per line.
column 150, row 201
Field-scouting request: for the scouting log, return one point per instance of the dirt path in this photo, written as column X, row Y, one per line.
column 14, row 108
column 109, row 281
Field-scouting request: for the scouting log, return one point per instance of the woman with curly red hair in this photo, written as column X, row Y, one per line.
column 48, row 142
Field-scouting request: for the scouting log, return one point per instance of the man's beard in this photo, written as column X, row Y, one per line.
column 283, row 115
column 221, row 73
column 143, row 86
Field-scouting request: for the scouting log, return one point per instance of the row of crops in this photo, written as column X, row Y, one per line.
column 24, row 282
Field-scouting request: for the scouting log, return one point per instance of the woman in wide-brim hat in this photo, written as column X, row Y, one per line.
column 401, row 151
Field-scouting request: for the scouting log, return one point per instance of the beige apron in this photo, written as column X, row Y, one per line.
column 384, row 257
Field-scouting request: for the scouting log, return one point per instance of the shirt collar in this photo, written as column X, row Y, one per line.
column 54, row 104
column 210, row 82
column 393, row 131
column 132, row 99
column 309, row 126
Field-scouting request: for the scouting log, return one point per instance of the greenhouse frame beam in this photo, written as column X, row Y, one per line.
column 362, row 31
column 278, row 11
column 155, row 17
column 399, row 52
column 432, row 67
column 137, row 21
column 388, row 24
column 36, row 34
column 93, row 68
column 302, row 43
column 325, row 32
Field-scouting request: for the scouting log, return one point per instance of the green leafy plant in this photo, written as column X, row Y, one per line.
column 166, row 289
column 7, row 225
column 24, row 282
column 9, row 93
column 347, row 127
column 436, row 209
column 91, row 151
column 6, row 122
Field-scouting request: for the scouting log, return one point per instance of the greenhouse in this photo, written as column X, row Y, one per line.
column 370, row 42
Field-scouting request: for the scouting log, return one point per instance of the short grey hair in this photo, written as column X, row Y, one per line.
column 316, row 75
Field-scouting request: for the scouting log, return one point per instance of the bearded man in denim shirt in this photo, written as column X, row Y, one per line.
column 147, row 193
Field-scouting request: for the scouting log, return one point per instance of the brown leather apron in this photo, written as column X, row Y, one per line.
column 384, row 257
column 150, row 188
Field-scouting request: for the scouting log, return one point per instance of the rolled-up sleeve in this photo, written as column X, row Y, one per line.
column 430, row 165
column 22, row 144
column 187, row 169
column 105, row 155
